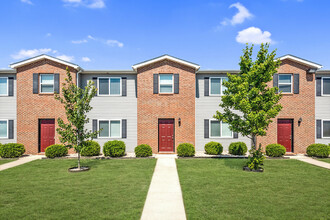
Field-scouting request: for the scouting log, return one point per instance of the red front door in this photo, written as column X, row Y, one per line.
column 47, row 133
column 166, row 135
column 284, row 133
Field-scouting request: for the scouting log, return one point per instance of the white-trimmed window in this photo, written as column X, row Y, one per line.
column 110, row 128
column 325, row 128
column 46, row 83
column 109, row 86
column 216, row 86
column 325, row 86
column 4, row 86
column 219, row 129
column 3, row 128
column 166, row 83
column 285, row 83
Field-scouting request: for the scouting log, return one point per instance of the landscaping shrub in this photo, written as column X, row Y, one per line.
column 56, row 150
column 143, row 150
column 114, row 148
column 90, row 148
column 318, row 150
column 237, row 148
column 186, row 150
column 11, row 150
column 213, row 148
column 256, row 159
column 275, row 150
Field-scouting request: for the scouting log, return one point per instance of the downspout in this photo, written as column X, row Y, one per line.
column 77, row 77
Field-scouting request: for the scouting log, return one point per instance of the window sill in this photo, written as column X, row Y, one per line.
column 166, row 94
column 287, row 94
column 49, row 94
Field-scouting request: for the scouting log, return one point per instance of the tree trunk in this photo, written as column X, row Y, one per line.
column 78, row 160
column 254, row 141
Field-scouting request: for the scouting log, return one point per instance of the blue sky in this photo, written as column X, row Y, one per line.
column 115, row 34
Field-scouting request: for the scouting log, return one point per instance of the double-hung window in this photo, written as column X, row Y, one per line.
column 109, row 86
column 166, row 83
column 110, row 128
column 325, row 86
column 326, row 129
column 3, row 128
column 285, row 83
column 219, row 129
column 3, row 86
column 216, row 86
column 46, row 83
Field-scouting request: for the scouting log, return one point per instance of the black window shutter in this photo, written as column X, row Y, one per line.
column 318, row 129
column 176, row 83
column 275, row 81
column 94, row 79
column 124, row 86
column 11, row 129
column 155, row 83
column 124, row 128
column 296, row 83
column 318, row 86
column 35, row 83
column 57, row 83
column 95, row 127
column 206, row 86
column 235, row 135
column 206, row 128
column 11, row 86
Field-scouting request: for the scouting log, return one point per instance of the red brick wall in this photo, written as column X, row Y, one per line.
column 31, row 107
column 151, row 107
column 296, row 106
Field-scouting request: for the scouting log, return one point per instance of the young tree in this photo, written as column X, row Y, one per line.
column 249, row 104
column 76, row 102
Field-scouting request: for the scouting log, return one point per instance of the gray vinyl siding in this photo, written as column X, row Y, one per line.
column 206, row 107
column 322, row 111
column 115, row 107
column 8, row 109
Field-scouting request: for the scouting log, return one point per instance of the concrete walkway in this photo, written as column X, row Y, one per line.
column 21, row 160
column 164, row 199
column 312, row 161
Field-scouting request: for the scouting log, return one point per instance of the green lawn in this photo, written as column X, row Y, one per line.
column 44, row 189
column 6, row 161
column 324, row 160
column 288, row 189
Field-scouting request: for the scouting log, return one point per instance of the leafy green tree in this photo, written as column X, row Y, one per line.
column 76, row 102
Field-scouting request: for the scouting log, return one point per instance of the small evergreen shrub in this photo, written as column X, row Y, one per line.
column 143, row 150
column 275, row 150
column 237, row 148
column 114, row 148
column 186, row 150
column 318, row 150
column 90, row 148
column 11, row 150
column 213, row 148
column 256, row 159
column 56, row 150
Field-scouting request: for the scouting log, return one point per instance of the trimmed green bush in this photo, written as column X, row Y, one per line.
column 318, row 150
column 114, row 148
column 237, row 148
column 143, row 150
column 213, row 148
column 275, row 150
column 91, row 148
column 11, row 150
column 186, row 150
column 56, row 150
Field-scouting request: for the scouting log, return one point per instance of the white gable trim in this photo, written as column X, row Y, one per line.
column 195, row 66
column 299, row 60
column 41, row 57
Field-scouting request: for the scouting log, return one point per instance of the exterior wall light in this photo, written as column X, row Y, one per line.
column 299, row 121
column 179, row 121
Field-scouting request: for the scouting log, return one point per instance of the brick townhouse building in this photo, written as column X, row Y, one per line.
column 162, row 102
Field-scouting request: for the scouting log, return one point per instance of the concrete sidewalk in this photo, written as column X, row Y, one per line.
column 314, row 162
column 21, row 160
column 164, row 199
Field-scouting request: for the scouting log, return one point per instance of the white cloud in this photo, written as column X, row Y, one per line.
column 22, row 54
column 253, row 35
column 90, row 37
column 85, row 3
column 27, row 2
column 111, row 43
column 242, row 14
column 86, row 59
column 66, row 58
column 96, row 4
column 79, row 41
column 114, row 43
column 48, row 35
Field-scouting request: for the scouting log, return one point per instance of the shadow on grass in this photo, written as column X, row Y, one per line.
column 91, row 163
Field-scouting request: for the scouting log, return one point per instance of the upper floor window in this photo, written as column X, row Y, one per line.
column 217, row 88
column 3, row 86
column 110, row 128
column 285, row 83
column 46, row 83
column 3, row 129
column 166, row 83
column 326, row 129
column 109, row 86
column 326, row 86
column 220, row 129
